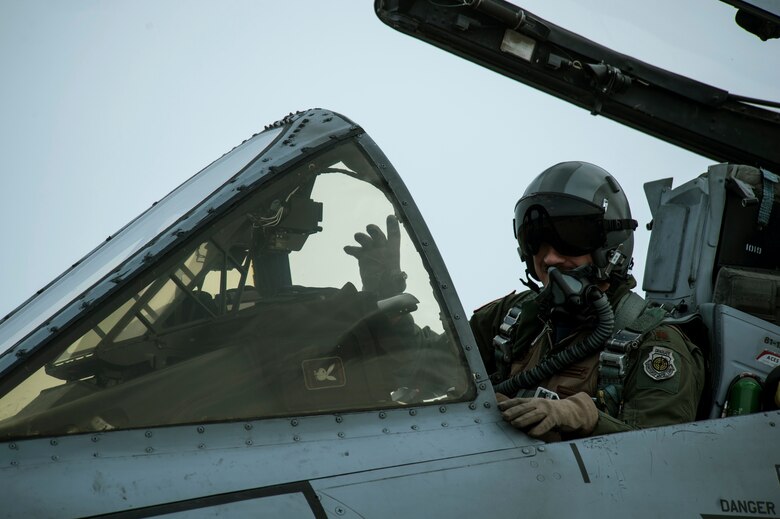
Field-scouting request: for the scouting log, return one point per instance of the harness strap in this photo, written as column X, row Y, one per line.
column 509, row 333
column 613, row 367
column 635, row 322
column 628, row 309
column 502, row 343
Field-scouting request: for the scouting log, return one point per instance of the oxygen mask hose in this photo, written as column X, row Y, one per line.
column 572, row 291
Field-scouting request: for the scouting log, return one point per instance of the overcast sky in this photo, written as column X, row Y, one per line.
column 105, row 106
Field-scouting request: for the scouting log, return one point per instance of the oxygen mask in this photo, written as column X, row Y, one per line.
column 569, row 294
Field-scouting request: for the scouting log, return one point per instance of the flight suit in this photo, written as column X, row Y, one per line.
column 665, row 375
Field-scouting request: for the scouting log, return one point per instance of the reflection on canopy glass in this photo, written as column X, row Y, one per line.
column 260, row 315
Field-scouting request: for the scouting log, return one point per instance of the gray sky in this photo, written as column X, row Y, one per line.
column 105, row 106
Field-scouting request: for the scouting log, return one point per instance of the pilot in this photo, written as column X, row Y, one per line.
column 583, row 355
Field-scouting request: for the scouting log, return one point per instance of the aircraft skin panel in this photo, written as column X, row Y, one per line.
column 109, row 472
column 296, row 504
column 437, row 471
column 704, row 469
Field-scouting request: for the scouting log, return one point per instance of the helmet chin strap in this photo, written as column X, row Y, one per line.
column 529, row 276
column 529, row 282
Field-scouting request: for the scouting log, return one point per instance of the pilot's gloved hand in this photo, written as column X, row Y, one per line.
column 379, row 259
column 575, row 414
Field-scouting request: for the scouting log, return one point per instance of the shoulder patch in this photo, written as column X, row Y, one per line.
column 659, row 364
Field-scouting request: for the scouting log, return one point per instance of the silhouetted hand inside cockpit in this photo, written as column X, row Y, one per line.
column 379, row 259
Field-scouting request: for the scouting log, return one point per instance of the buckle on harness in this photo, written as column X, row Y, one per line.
column 510, row 321
column 623, row 341
column 503, row 341
column 613, row 360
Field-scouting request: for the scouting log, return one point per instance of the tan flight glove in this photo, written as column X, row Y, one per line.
column 379, row 259
column 575, row 414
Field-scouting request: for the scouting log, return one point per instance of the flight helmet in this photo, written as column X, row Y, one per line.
column 579, row 209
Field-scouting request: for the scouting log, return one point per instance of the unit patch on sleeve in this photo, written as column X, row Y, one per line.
column 660, row 364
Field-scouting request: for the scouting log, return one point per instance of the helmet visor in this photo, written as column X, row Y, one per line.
column 574, row 227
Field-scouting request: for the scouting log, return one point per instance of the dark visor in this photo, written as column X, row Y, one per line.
column 574, row 227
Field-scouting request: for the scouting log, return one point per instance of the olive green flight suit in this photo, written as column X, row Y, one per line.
column 665, row 374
